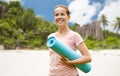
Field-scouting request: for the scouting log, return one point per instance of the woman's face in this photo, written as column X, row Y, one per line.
column 60, row 16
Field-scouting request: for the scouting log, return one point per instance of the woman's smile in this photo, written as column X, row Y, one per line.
column 60, row 20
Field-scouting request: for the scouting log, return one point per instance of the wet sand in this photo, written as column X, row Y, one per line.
column 36, row 63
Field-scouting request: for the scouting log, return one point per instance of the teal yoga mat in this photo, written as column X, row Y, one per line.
column 64, row 50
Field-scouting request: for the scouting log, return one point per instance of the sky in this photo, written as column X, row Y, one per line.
column 82, row 11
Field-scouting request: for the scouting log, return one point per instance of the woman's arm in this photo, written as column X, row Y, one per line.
column 83, row 59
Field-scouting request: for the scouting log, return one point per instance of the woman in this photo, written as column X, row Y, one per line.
column 59, row 65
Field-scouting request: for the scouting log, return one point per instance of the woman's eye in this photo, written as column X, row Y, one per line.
column 62, row 14
column 56, row 14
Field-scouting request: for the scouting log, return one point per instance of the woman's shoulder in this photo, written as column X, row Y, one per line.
column 74, row 32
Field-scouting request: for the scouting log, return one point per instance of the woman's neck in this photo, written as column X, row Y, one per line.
column 63, row 30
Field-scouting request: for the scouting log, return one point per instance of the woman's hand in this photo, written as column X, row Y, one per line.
column 66, row 60
column 85, row 58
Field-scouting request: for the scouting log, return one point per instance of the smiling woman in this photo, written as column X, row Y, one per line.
column 59, row 65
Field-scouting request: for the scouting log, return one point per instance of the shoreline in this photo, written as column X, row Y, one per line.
column 92, row 52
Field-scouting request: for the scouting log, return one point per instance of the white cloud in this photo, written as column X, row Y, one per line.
column 82, row 11
column 111, row 10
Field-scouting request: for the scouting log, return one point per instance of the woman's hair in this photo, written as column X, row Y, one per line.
column 65, row 7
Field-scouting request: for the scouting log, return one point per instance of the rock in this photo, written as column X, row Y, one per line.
column 91, row 30
column 2, row 47
column 3, row 9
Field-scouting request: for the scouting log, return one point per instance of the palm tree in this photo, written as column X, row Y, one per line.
column 117, row 24
column 104, row 21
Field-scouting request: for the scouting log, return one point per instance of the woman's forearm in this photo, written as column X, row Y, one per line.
column 81, row 60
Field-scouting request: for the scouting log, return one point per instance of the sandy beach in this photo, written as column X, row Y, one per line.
column 36, row 63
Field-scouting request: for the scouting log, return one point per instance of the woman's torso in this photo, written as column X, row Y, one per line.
column 58, row 67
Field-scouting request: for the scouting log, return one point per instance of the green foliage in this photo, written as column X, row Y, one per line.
column 3, row 4
column 74, row 27
column 21, row 28
column 112, row 43
column 108, row 33
column 117, row 24
column 108, row 43
column 9, row 43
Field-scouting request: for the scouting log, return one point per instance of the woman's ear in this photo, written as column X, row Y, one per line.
column 68, row 17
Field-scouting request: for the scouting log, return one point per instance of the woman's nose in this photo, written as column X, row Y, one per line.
column 59, row 16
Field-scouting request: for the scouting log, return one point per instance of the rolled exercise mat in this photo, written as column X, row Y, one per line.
column 64, row 50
